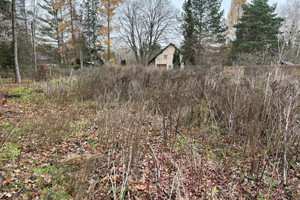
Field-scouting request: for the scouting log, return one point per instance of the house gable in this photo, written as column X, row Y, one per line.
column 164, row 59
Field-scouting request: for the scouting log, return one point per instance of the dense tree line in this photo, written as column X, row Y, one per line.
column 72, row 32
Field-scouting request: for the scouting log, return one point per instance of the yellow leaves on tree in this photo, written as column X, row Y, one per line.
column 62, row 26
column 57, row 5
column 72, row 46
column 60, row 50
column 104, row 53
column 103, row 30
column 111, row 4
column 107, row 10
column 236, row 11
column 112, row 61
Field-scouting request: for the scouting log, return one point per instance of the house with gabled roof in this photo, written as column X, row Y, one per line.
column 164, row 59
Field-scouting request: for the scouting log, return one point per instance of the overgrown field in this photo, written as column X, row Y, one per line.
column 136, row 133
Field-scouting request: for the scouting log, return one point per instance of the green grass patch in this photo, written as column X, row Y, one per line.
column 50, row 193
column 52, row 180
column 23, row 93
column 6, row 126
column 10, row 150
column 20, row 91
column 92, row 144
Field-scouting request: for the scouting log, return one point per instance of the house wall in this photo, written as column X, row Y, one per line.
column 169, row 52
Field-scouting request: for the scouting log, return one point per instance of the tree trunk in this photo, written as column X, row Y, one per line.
column 94, row 31
column 15, row 42
column 72, row 19
column 25, row 21
column 34, row 47
column 108, row 37
column 81, row 58
column 63, row 60
column 298, row 51
column 33, row 24
column 108, row 31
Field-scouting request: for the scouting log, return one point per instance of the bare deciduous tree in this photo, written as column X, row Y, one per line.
column 15, row 42
column 291, row 12
column 291, row 26
column 146, row 23
column 33, row 30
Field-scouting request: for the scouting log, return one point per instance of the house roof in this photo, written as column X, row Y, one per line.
column 171, row 44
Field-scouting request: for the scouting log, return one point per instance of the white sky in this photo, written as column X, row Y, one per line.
column 225, row 4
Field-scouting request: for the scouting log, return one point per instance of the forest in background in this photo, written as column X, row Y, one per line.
column 74, row 34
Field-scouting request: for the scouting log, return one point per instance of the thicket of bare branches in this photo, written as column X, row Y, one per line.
column 198, row 133
column 145, row 24
column 255, row 107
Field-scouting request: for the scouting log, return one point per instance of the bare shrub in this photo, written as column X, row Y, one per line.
column 49, row 128
column 249, row 107
column 256, row 108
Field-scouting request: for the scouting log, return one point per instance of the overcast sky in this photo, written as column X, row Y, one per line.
column 225, row 4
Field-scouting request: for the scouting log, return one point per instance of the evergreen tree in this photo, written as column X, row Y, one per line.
column 176, row 59
column 6, row 56
column 52, row 25
column 258, row 27
column 203, row 28
column 188, row 34
column 5, row 12
column 91, row 23
column 209, row 28
column 123, row 62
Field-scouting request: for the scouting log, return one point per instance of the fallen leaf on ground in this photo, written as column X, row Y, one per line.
column 141, row 187
column 8, row 180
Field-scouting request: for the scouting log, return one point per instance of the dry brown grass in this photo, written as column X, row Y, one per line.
column 256, row 107
column 254, row 112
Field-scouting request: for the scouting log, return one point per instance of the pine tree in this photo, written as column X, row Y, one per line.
column 123, row 62
column 6, row 56
column 91, row 22
column 176, row 59
column 76, row 42
column 203, row 29
column 188, row 34
column 208, row 28
column 4, row 7
column 258, row 27
column 24, row 44
column 53, row 25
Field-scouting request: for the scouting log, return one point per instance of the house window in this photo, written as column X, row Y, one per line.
column 165, row 57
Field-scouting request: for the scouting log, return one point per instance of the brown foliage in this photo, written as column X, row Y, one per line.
column 160, row 131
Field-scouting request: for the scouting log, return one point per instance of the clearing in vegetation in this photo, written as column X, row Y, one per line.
column 137, row 133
